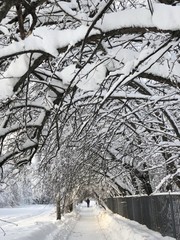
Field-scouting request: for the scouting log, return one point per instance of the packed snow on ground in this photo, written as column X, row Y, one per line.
column 35, row 222
column 38, row 222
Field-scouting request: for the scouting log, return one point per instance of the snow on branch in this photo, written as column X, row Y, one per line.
column 142, row 17
column 48, row 40
column 45, row 40
column 166, row 179
column 133, row 70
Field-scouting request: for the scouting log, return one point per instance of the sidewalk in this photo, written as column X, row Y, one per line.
column 87, row 226
column 95, row 223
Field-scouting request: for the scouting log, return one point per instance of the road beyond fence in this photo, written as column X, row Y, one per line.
column 158, row 212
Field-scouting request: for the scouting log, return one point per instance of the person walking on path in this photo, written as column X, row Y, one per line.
column 88, row 202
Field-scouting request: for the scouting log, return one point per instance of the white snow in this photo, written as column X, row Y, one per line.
column 89, row 78
column 37, row 222
column 68, row 73
column 128, row 75
column 165, row 17
column 43, row 39
column 16, row 69
column 124, row 19
column 49, row 40
column 6, row 89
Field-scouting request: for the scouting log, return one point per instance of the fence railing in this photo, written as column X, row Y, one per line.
column 158, row 212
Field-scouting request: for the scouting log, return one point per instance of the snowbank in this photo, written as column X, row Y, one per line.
column 36, row 222
column 125, row 229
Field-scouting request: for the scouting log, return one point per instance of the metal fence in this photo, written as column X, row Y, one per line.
column 158, row 212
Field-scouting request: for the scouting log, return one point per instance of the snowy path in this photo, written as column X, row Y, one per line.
column 87, row 226
column 38, row 222
column 94, row 223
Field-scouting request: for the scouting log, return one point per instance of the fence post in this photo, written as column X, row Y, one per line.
column 133, row 213
column 172, row 214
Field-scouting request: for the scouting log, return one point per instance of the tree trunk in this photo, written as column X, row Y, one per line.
column 58, row 207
